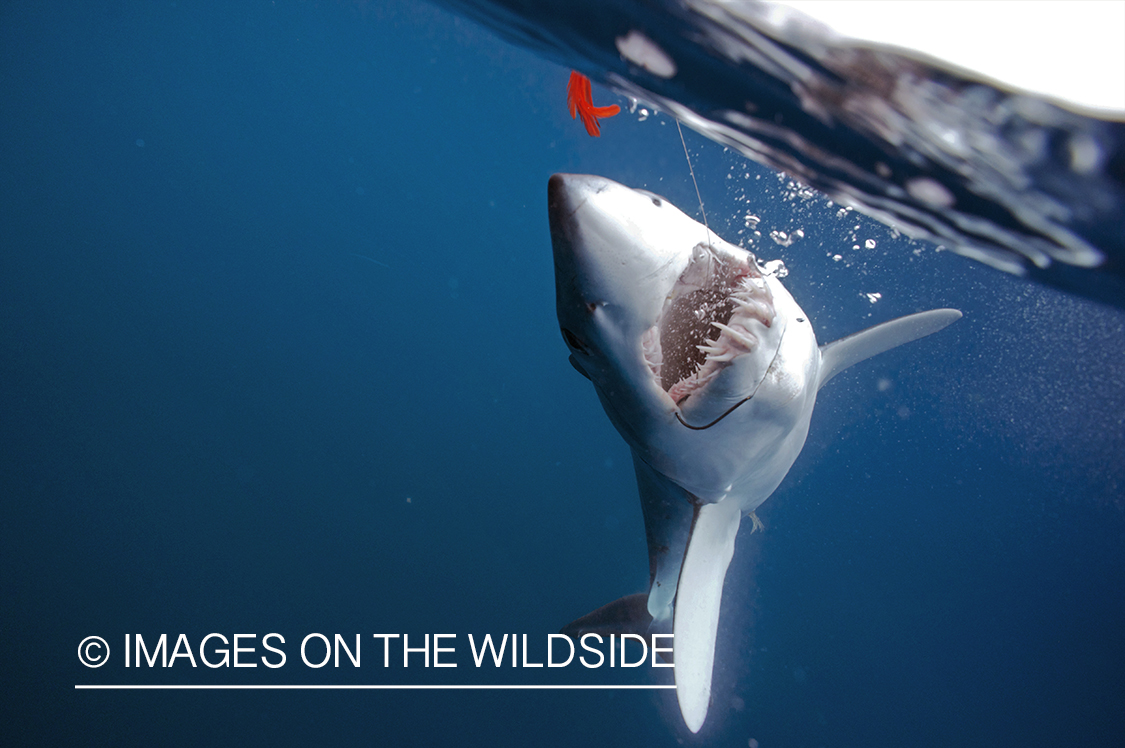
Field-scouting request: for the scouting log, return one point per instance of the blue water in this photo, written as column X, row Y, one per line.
column 280, row 355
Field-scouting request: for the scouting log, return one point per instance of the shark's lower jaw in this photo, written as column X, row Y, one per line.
column 706, row 322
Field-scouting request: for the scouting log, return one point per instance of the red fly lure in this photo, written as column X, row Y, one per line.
column 581, row 105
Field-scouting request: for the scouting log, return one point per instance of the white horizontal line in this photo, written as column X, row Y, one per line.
column 381, row 687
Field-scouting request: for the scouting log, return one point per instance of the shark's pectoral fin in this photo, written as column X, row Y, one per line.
column 698, row 600
column 842, row 353
column 669, row 511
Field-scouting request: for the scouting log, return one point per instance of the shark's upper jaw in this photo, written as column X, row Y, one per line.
column 713, row 314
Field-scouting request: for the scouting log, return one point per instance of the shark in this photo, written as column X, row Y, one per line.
column 709, row 369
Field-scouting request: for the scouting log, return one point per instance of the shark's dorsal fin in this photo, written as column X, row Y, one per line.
column 840, row 354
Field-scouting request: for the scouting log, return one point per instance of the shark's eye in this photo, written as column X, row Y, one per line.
column 573, row 341
column 657, row 200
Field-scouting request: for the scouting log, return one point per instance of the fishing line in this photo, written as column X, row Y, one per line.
column 702, row 212
column 697, row 195
column 724, row 415
column 741, row 402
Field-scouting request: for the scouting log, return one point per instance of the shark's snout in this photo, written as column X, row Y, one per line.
column 567, row 192
column 556, row 191
column 617, row 254
column 556, row 196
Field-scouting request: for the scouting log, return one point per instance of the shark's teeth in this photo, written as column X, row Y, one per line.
column 747, row 339
column 717, row 353
column 709, row 376
column 685, row 387
column 720, row 290
column 753, row 308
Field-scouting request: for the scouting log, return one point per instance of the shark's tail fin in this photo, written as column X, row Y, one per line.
column 698, row 599
column 840, row 354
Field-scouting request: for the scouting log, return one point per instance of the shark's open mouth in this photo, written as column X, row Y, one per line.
column 707, row 320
